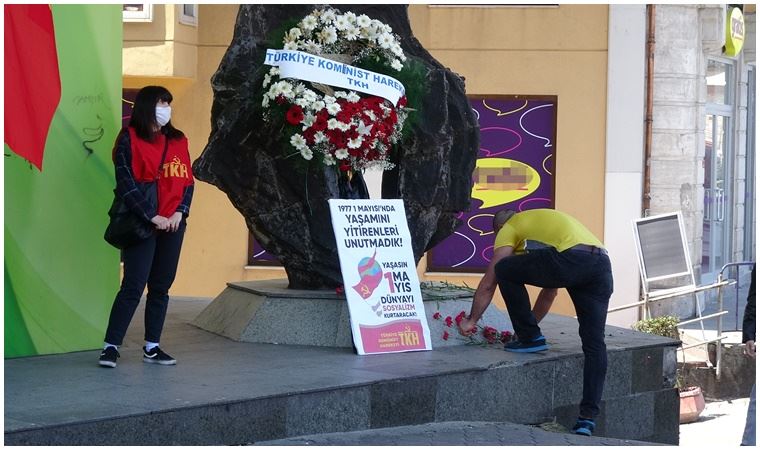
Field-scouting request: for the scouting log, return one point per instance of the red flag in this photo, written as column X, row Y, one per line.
column 32, row 82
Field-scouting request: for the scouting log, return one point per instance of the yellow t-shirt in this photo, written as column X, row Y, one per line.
column 548, row 226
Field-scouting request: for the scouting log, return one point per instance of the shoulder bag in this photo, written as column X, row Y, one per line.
column 127, row 228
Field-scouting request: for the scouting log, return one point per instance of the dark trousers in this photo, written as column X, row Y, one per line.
column 152, row 262
column 588, row 279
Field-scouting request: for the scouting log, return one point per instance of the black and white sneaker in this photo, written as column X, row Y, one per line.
column 108, row 357
column 157, row 356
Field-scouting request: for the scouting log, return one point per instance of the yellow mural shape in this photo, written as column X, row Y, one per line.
column 499, row 181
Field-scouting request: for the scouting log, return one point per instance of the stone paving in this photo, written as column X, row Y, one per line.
column 454, row 434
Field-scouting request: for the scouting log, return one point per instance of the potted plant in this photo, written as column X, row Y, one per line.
column 692, row 400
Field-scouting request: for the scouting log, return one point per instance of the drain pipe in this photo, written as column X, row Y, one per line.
column 646, row 196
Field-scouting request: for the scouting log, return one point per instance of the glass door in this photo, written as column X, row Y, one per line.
column 717, row 215
column 716, row 224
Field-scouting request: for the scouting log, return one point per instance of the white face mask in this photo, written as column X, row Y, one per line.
column 163, row 114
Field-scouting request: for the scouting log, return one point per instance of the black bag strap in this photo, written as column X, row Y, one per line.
column 160, row 165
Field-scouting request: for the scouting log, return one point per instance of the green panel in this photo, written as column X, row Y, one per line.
column 63, row 275
column 17, row 339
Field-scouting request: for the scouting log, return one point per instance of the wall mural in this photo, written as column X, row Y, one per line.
column 515, row 169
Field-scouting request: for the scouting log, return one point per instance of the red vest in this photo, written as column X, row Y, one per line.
column 175, row 174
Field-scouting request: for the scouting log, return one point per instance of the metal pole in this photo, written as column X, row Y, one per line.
column 719, row 344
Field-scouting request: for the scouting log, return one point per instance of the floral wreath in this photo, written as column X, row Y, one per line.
column 340, row 128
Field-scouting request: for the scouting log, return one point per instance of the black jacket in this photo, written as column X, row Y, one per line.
column 748, row 326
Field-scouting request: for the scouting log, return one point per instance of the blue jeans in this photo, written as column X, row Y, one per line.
column 749, row 426
column 588, row 279
column 152, row 262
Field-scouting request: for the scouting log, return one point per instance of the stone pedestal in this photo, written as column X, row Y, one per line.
column 268, row 312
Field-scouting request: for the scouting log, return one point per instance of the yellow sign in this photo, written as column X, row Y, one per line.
column 734, row 32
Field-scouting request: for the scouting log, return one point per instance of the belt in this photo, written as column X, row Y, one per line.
column 588, row 248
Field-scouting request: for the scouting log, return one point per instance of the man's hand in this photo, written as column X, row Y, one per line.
column 749, row 349
column 161, row 222
column 467, row 326
column 174, row 221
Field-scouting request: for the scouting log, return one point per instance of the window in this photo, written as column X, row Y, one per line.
column 137, row 12
column 189, row 15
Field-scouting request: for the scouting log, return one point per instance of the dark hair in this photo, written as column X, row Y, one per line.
column 143, row 118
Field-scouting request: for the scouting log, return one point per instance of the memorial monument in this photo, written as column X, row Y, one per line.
column 283, row 195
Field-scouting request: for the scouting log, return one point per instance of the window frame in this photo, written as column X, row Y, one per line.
column 146, row 15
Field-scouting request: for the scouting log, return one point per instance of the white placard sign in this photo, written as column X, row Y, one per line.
column 379, row 276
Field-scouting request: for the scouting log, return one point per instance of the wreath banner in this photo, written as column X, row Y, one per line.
column 307, row 67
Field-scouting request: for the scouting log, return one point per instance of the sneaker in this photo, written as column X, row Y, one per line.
column 537, row 344
column 584, row 427
column 157, row 356
column 108, row 357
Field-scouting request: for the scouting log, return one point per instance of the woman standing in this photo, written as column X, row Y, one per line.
column 150, row 141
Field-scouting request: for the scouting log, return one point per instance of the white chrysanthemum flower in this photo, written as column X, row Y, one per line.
column 306, row 153
column 341, row 153
column 371, row 115
column 355, row 143
column 351, row 34
column 308, row 120
column 328, row 159
column 267, row 80
column 328, row 16
column 302, row 102
column 362, row 129
column 300, row 87
column 340, row 94
column 376, row 24
column 333, row 124
column 396, row 64
column 396, row 49
column 344, row 126
column 351, row 17
column 310, row 95
column 295, row 33
column 310, row 47
column 387, row 28
column 297, row 141
column 283, row 88
column 290, row 46
column 274, row 71
column 363, row 21
column 342, row 23
column 265, row 101
column 353, row 97
column 329, row 35
column 308, row 23
column 319, row 105
column 385, row 40
column 333, row 108
column 320, row 137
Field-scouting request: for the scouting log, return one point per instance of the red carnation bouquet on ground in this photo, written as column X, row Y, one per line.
column 485, row 335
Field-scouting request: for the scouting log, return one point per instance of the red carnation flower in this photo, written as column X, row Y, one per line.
column 506, row 336
column 445, row 335
column 294, row 116
column 280, row 100
column 402, row 102
column 344, row 167
column 437, row 315
column 449, row 321
column 344, row 116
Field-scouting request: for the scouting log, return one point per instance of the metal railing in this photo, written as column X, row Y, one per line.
column 737, row 265
column 719, row 284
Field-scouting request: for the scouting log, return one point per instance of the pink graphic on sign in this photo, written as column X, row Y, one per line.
column 400, row 335
column 371, row 274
